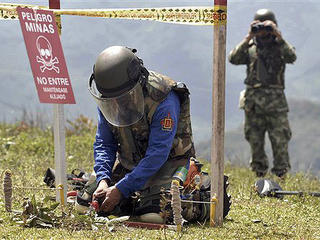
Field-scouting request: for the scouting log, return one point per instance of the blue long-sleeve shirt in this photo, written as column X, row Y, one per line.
column 159, row 146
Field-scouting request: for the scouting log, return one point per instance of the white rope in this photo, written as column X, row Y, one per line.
column 37, row 188
column 192, row 201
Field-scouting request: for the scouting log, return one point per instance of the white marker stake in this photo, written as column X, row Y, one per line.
column 59, row 138
column 60, row 150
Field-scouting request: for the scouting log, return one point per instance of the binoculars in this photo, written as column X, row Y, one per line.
column 258, row 27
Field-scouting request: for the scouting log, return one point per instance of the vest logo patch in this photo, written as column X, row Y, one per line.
column 167, row 123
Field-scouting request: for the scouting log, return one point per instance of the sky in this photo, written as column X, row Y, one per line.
column 183, row 52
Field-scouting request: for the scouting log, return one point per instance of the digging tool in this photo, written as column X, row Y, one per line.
column 269, row 188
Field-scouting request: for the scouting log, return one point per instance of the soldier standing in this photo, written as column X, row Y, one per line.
column 265, row 53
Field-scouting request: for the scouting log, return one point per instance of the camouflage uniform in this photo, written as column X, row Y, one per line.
column 265, row 103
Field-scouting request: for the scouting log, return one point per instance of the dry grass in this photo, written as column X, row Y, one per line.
column 28, row 152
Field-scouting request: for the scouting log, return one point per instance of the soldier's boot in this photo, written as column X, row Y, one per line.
column 280, row 173
column 260, row 174
column 281, row 166
column 260, row 167
column 148, row 206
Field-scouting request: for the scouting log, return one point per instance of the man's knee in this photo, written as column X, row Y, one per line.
column 149, row 199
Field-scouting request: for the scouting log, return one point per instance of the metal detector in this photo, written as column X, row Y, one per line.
column 269, row 188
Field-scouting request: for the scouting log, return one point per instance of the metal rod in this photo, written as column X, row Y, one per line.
column 298, row 193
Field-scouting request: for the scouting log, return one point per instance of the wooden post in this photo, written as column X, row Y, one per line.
column 54, row 4
column 59, row 138
column 218, row 113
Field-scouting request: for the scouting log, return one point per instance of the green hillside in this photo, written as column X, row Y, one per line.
column 28, row 151
column 304, row 148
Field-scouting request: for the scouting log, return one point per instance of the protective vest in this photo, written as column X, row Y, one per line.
column 266, row 66
column 133, row 140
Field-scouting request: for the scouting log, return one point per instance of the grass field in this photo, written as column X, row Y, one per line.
column 28, row 151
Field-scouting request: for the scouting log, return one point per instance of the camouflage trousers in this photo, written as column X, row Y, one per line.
column 277, row 126
column 149, row 197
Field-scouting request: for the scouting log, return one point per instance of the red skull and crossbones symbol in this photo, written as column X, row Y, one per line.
column 46, row 58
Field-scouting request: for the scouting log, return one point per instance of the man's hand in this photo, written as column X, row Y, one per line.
column 113, row 197
column 110, row 196
column 250, row 34
column 276, row 31
column 100, row 192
